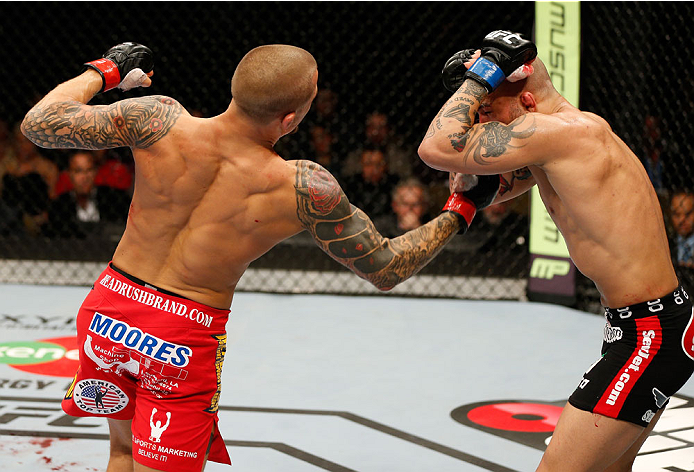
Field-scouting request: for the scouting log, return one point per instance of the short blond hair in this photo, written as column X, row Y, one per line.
column 273, row 80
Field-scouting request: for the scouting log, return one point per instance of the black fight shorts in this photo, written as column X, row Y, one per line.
column 647, row 356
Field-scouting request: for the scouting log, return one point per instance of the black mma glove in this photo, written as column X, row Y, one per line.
column 502, row 53
column 123, row 66
column 453, row 74
column 465, row 204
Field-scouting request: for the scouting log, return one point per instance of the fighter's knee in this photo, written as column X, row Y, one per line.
column 119, row 449
column 120, row 460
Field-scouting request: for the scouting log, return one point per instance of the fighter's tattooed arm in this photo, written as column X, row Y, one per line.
column 455, row 143
column 483, row 142
column 136, row 122
column 347, row 234
column 462, row 106
column 509, row 181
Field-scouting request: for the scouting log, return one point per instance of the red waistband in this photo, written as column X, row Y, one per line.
column 148, row 296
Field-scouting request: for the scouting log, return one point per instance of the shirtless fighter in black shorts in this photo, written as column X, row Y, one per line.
column 598, row 194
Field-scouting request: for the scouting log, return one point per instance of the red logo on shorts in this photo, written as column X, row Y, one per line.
column 688, row 338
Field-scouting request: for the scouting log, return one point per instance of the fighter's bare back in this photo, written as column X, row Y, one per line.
column 211, row 195
column 232, row 201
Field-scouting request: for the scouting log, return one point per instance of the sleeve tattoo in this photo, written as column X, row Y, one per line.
column 136, row 122
column 347, row 234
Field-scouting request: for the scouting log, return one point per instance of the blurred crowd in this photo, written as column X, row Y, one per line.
column 86, row 194
column 57, row 194
column 672, row 176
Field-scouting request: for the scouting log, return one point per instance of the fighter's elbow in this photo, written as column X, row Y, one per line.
column 383, row 282
column 425, row 151
column 431, row 155
column 26, row 127
column 384, row 287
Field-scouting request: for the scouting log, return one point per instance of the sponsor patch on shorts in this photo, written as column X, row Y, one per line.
column 99, row 397
column 134, row 338
column 612, row 333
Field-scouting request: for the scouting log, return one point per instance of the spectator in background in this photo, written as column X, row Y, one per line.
column 6, row 151
column 112, row 172
column 4, row 139
column 325, row 130
column 28, row 183
column 682, row 216
column 379, row 136
column 410, row 204
column 322, row 134
column 325, row 108
column 321, row 144
column 371, row 188
column 656, row 157
column 86, row 209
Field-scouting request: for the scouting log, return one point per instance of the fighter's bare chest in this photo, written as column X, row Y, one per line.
column 551, row 199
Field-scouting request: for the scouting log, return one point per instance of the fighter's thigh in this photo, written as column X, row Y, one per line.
column 587, row 442
column 120, row 457
column 121, row 448
column 138, row 467
column 172, row 434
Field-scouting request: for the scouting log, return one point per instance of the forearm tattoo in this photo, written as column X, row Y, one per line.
column 136, row 122
column 459, row 107
column 518, row 174
column 460, row 112
column 347, row 234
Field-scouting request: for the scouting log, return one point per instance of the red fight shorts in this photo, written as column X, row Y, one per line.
column 155, row 358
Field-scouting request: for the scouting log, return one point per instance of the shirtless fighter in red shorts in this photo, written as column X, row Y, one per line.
column 598, row 194
column 210, row 197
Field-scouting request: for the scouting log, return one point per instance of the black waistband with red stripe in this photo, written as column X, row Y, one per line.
column 667, row 303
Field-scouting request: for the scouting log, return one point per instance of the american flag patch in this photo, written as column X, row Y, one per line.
column 99, row 396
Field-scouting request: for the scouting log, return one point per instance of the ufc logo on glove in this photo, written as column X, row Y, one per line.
column 505, row 36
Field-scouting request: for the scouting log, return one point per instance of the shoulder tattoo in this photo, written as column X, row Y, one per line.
column 347, row 234
column 493, row 139
column 135, row 122
column 323, row 210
